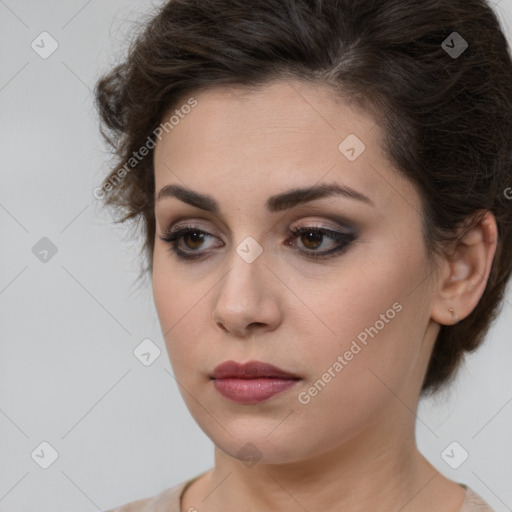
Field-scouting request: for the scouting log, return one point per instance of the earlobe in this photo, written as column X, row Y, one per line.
column 466, row 272
column 454, row 315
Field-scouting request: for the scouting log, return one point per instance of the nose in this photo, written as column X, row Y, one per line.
column 248, row 298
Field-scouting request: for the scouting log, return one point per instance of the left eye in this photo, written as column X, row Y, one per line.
column 312, row 238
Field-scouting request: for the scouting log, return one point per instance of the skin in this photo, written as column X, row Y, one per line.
column 352, row 447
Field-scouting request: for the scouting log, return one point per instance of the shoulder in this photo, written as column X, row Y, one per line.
column 474, row 502
column 167, row 501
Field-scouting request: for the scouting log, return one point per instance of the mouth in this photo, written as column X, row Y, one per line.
column 252, row 382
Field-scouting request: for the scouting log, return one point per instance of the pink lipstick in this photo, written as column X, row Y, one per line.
column 252, row 382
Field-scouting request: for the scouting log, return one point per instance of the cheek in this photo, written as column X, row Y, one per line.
column 174, row 293
column 373, row 319
column 356, row 377
column 173, row 303
column 184, row 315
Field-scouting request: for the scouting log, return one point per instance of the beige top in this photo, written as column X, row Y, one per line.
column 170, row 501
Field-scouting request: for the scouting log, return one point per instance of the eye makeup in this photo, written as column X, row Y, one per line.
column 185, row 241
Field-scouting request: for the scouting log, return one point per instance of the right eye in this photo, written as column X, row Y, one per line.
column 192, row 234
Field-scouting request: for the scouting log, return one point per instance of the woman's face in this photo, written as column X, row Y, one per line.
column 353, row 324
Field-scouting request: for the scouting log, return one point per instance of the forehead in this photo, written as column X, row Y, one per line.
column 281, row 135
column 280, row 114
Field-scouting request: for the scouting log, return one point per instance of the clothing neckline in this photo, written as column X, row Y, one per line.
column 187, row 484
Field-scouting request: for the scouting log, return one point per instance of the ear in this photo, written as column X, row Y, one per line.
column 465, row 272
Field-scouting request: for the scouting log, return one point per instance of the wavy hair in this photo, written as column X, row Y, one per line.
column 445, row 109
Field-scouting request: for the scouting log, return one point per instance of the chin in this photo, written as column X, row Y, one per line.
column 257, row 440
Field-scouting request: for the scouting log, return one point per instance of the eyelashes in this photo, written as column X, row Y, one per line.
column 312, row 235
column 311, row 238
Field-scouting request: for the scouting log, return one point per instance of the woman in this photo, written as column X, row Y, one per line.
column 325, row 194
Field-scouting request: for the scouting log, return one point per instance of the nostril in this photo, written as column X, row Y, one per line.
column 222, row 326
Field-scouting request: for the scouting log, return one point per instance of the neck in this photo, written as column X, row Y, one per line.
column 379, row 469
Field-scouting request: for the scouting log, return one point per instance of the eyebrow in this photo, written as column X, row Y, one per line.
column 274, row 203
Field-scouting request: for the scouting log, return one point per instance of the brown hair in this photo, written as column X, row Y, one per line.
column 446, row 111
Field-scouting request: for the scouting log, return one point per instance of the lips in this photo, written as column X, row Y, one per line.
column 252, row 382
column 250, row 370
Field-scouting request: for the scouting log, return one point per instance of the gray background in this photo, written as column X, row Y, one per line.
column 69, row 326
